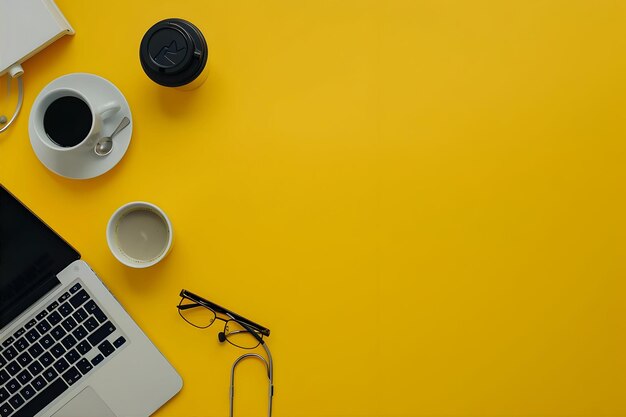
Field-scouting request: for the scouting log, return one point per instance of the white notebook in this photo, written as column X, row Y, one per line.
column 26, row 27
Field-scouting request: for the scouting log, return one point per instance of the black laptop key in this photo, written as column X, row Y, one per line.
column 57, row 350
column 16, row 401
column 30, row 324
column 12, row 386
column 90, row 306
column 4, row 394
column 24, row 377
column 80, row 314
column 106, row 348
column 50, row 374
column 64, row 297
column 8, row 342
column 35, row 368
column 41, row 315
column 65, row 309
column 35, row 349
column 46, row 359
column 58, row 332
column 100, row 334
column 19, row 333
column 27, row 392
column 9, row 353
column 61, row 365
column 43, row 326
column 72, row 376
column 2, row 361
column 46, row 341
column 32, row 335
column 96, row 360
column 79, row 298
column 69, row 324
column 91, row 324
column 13, row 368
column 69, row 341
column 4, row 377
column 119, row 341
column 54, row 318
column 39, row 382
column 83, row 347
column 5, row 409
column 79, row 332
column 52, row 306
column 72, row 356
column 21, row 344
column 84, row 366
column 99, row 314
column 24, row 359
column 42, row 399
column 75, row 288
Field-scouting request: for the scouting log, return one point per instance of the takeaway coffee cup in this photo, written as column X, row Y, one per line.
column 174, row 53
column 139, row 234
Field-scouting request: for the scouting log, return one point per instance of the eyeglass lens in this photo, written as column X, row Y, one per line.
column 202, row 317
column 238, row 336
column 196, row 314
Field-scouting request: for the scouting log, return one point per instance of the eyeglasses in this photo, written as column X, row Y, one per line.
column 238, row 330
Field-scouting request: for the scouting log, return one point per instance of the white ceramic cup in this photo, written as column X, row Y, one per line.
column 99, row 113
column 139, row 234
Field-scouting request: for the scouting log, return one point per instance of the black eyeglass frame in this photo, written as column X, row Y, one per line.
column 255, row 329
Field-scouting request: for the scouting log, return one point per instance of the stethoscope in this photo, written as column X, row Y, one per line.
column 15, row 71
column 270, row 376
column 269, row 366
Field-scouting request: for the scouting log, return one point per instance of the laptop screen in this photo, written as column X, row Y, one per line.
column 31, row 255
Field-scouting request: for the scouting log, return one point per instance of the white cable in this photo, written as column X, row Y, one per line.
column 15, row 71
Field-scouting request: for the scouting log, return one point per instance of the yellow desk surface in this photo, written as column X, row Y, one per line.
column 424, row 201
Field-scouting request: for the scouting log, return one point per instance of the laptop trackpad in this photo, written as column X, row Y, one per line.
column 86, row 404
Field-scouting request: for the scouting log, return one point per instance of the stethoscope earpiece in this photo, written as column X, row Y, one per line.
column 221, row 337
column 15, row 71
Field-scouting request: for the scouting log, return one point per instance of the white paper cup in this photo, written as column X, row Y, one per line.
column 139, row 234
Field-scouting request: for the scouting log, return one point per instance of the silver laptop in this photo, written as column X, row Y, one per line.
column 67, row 347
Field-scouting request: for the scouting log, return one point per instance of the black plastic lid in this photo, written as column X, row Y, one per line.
column 173, row 52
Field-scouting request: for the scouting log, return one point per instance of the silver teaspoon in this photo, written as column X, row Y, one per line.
column 105, row 144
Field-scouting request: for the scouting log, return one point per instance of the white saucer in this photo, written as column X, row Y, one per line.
column 88, row 164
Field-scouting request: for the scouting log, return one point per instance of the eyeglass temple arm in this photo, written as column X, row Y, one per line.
column 219, row 309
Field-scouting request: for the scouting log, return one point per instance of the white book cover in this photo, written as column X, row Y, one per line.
column 26, row 27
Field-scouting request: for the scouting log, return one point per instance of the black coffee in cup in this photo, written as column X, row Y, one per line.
column 67, row 121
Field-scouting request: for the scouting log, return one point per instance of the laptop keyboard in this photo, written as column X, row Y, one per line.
column 65, row 341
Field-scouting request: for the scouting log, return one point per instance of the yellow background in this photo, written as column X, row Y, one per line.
column 423, row 200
